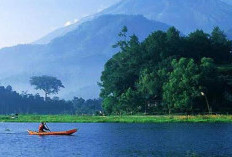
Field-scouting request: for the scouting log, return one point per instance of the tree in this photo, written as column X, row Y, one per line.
column 129, row 101
column 198, row 45
column 174, row 42
column 120, row 73
column 151, row 82
column 49, row 84
column 221, row 47
column 155, row 48
column 218, row 36
column 9, row 88
column 110, row 105
column 122, row 43
column 143, row 70
column 182, row 86
column 212, row 83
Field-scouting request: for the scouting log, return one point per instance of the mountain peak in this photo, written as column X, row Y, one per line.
column 77, row 57
column 186, row 15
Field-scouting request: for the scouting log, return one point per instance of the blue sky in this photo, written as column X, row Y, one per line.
column 24, row 21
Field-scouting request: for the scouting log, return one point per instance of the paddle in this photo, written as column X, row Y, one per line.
column 47, row 127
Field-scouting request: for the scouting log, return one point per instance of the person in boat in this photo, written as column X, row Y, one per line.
column 42, row 127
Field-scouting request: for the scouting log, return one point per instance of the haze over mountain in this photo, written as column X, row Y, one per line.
column 186, row 15
column 227, row 1
column 76, row 54
column 62, row 31
column 76, row 58
column 229, row 34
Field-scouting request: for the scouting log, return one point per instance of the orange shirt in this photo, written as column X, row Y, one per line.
column 41, row 128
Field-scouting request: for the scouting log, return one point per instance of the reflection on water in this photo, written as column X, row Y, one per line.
column 174, row 139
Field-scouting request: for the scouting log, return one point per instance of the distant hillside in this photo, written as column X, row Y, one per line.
column 61, row 31
column 76, row 54
column 91, row 37
column 76, row 58
column 229, row 34
column 227, row 1
column 186, row 15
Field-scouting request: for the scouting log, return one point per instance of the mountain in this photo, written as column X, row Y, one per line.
column 186, row 15
column 77, row 58
column 227, row 1
column 62, row 31
column 229, row 34
column 76, row 54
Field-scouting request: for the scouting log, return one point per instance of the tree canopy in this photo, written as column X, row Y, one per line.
column 49, row 84
column 166, row 73
column 25, row 103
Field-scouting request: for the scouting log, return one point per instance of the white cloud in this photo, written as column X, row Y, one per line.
column 75, row 20
column 67, row 23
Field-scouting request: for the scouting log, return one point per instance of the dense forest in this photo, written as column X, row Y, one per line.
column 169, row 73
column 13, row 102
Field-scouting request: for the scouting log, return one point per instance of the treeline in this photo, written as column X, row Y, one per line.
column 13, row 102
column 169, row 73
column 89, row 107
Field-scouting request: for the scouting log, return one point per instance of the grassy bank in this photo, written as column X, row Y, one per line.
column 117, row 119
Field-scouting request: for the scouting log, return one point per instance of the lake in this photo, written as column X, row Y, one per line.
column 115, row 139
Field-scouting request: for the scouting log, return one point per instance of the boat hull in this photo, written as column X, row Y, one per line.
column 69, row 132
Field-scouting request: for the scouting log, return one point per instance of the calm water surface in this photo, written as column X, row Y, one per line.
column 105, row 140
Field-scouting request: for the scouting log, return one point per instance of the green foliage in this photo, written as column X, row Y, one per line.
column 122, row 44
column 109, row 105
column 64, row 118
column 49, row 84
column 149, row 86
column 218, row 36
column 129, row 101
column 148, row 83
column 182, row 86
column 220, row 44
column 24, row 103
column 167, row 68
column 198, row 45
column 86, row 107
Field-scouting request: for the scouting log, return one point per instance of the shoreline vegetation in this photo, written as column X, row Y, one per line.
column 169, row 73
column 119, row 119
column 166, row 74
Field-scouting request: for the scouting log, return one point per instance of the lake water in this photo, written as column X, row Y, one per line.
column 105, row 140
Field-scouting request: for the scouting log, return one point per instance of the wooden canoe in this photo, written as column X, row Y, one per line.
column 69, row 132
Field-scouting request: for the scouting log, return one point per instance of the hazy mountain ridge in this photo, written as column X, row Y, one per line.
column 227, row 1
column 76, row 54
column 77, row 58
column 104, row 30
column 61, row 31
column 187, row 16
column 229, row 34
